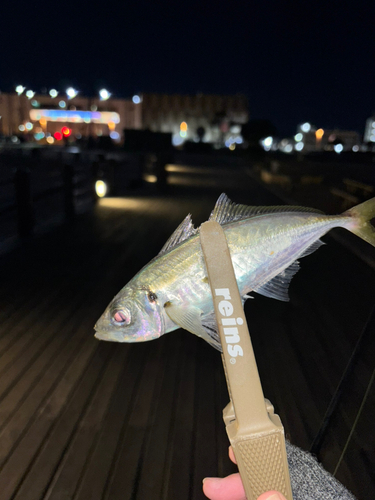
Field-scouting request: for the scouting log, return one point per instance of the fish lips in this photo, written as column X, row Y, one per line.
column 113, row 336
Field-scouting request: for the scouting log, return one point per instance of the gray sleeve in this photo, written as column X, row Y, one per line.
column 310, row 481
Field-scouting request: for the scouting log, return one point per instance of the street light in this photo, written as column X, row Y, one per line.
column 53, row 93
column 71, row 92
column 30, row 94
column 306, row 127
column 104, row 94
column 20, row 89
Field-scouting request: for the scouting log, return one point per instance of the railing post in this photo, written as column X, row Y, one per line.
column 25, row 213
column 68, row 175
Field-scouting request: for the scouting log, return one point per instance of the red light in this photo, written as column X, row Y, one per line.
column 58, row 136
column 66, row 131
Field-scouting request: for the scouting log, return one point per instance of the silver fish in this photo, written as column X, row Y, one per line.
column 172, row 290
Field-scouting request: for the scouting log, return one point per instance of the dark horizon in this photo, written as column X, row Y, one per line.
column 295, row 63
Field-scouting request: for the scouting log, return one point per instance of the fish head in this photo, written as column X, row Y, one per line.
column 134, row 315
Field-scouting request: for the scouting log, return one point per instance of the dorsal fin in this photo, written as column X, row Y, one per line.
column 226, row 211
column 182, row 233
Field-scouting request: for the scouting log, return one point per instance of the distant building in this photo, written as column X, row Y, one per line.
column 309, row 139
column 370, row 130
column 46, row 118
column 182, row 115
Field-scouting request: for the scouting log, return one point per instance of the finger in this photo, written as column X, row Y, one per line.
column 228, row 488
column 231, row 455
column 271, row 495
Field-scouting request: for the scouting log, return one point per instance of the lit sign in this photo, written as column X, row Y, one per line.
column 63, row 115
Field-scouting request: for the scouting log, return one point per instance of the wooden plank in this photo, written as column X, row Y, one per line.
column 124, row 470
column 177, row 475
column 99, row 464
column 18, row 359
column 27, row 447
column 49, row 455
column 204, row 458
column 65, row 480
column 155, row 454
column 25, row 396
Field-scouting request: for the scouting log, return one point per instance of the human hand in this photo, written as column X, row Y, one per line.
column 231, row 487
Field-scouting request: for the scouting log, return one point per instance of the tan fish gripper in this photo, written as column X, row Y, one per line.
column 255, row 432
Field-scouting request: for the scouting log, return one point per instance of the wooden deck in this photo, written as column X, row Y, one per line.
column 83, row 419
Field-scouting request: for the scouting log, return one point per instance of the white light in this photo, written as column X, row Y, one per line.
column 338, row 148
column 235, row 129
column 136, row 99
column 355, row 148
column 299, row 146
column 288, row 148
column 101, row 188
column 50, row 140
column 298, row 137
column 53, row 93
column 15, row 139
column 104, row 94
column 372, row 138
column 20, row 89
column 30, row 94
column 71, row 92
column 306, row 127
column 21, row 128
column 268, row 141
column 29, row 126
column 62, row 104
column 114, row 135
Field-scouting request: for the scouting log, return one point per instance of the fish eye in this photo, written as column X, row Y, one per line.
column 152, row 297
column 121, row 317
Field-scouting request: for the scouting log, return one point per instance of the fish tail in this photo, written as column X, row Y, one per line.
column 362, row 214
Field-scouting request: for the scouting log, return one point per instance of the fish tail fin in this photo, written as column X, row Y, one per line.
column 363, row 214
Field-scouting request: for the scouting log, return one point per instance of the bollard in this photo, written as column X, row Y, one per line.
column 25, row 213
column 161, row 173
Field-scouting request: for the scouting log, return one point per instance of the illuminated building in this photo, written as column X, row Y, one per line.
column 370, row 130
column 182, row 115
column 83, row 116
column 43, row 116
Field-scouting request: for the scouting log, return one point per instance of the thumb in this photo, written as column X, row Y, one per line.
column 272, row 495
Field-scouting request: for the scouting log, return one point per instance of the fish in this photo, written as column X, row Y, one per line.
column 172, row 291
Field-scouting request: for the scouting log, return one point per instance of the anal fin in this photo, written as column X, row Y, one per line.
column 277, row 287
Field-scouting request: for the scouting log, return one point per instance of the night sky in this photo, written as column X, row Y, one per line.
column 296, row 61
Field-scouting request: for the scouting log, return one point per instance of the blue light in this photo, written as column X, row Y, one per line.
column 62, row 104
column 136, row 99
column 114, row 135
column 177, row 140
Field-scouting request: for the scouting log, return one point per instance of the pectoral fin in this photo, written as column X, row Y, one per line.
column 190, row 318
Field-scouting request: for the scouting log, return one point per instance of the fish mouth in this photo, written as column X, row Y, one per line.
column 101, row 335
